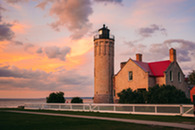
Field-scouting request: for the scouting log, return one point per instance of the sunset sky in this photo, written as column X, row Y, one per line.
column 47, row 45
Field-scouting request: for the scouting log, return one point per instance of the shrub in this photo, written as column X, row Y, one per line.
column 76, row 100
column 165, row 94
column 57, row 97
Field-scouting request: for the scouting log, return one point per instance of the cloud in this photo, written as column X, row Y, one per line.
column 39, row 51
column 156, row 51
column 42, row 4
column 15, row 78
column 15, row 72
column 149, row 31
column 110, row 1
column 55, row 52
column 5, row 32
column 70, row 13
column 16, row 1
column 185, row 48
column 18, row 43
column 2, row 9
column 73, row 78
column 5, row 28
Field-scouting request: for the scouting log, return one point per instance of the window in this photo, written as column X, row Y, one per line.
column 171, row 76
column 130, row 75
column 179, row 76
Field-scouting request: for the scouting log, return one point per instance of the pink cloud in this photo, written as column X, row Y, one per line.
column 72, row 14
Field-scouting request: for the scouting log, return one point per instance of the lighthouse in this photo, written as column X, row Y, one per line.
column 103, row 66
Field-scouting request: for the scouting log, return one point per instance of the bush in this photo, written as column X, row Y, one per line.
column 165, row 94
column 77, row 100
column 129, row 96
column 57, row 97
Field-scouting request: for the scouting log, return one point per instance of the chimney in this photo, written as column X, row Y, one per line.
column 139, row 57
column 123, row 64
column 172, row 54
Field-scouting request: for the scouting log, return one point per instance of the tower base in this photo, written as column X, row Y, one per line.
column 102, row 98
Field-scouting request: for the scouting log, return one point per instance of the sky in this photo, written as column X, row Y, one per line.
column 47, row 45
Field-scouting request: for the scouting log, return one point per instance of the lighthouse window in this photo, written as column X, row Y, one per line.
column 100, row 32
column 130, row 75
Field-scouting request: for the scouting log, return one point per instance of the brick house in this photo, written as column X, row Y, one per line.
column 136, row 74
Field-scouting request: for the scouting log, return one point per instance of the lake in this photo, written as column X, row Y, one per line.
column 13, row 103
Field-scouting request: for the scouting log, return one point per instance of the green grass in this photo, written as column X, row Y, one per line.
column 179, row 119
column 20, row 121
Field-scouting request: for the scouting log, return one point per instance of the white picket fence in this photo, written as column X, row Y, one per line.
column 145, row 109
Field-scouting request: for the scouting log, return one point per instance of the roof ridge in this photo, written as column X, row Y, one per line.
column 158, row 61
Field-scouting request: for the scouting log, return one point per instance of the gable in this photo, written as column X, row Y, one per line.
column 130, row 61
column 174, row 64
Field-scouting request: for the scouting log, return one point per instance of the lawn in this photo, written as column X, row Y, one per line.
column 179, row 119
column 9, row 121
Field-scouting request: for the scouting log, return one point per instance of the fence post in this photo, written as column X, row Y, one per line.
column 59, row 106
column 155, row 107
column 194, row 104
column 90, row 107
column 181, row 110
column 42, row 106
column 114, row 108
column 133, row 108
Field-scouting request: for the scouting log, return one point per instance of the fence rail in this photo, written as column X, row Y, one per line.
column 145, row 109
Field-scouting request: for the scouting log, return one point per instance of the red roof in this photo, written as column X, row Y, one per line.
column 154, row 68
column 158, row 68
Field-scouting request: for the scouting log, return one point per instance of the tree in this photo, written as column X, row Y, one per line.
column 57, row 97
column 76, row 100
column 165, row 94
column 191, row 77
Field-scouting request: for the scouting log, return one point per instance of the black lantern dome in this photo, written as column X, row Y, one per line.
column 103, row 33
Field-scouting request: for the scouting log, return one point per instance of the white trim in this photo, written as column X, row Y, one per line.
column 144, row 109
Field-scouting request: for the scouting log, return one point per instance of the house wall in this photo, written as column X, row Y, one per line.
column 160, row 80
column 140, row 78
column 152, row 81
column 174, row 67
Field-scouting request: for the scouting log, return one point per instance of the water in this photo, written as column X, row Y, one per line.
column 14, row 103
